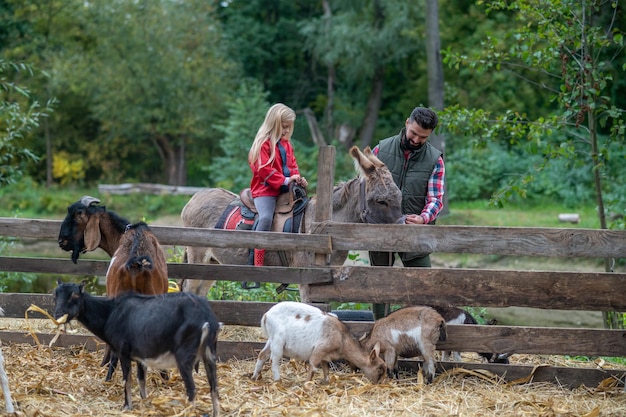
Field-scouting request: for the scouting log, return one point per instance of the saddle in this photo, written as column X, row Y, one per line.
column 241, row 214
column 289, row 208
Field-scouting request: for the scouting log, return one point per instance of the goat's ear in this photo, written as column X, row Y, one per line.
column 375, row 351
column 362, row 338
column 59, row 282
column 92, row 233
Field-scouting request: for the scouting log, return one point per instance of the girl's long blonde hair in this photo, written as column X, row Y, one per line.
column 271, row 130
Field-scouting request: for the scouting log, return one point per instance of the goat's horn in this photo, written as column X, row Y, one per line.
column 88, row 200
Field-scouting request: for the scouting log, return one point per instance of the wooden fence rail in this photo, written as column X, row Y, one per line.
column 465, row 287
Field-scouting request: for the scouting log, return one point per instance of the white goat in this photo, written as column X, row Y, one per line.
column 303, row 332
column 406, row 333
column 4, row 380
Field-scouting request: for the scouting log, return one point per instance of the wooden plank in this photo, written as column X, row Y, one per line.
column 240, row 313
column 184, row 236
column 562, row 376
column 462, row 338
column 520, row 241
column 89, row 342
column 175, row 270
column 523, row 241
column 323, row 207
column 524, row 339
column 464, row 287
column 475, row 287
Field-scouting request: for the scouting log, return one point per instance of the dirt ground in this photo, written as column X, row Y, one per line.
column 50, row 381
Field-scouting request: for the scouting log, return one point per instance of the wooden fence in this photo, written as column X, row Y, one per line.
column 599, row 291
column 464, row 287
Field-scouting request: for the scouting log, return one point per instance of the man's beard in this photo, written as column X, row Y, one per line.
column 406, row 145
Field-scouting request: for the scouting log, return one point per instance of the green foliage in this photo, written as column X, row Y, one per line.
column 231, row 290
column 569, row 48
column 246, row 111
column 66, row 169
column 14, row 281
column 28, row 199
column 19, row 117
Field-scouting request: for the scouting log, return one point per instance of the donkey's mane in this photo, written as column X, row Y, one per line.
column 343, row 189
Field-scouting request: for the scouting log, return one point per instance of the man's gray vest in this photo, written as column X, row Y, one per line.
column 411, row 175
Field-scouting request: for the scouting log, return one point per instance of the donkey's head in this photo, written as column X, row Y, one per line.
column 380, row 199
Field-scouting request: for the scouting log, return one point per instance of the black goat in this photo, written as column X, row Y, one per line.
column 161, row 331
column 455, row 315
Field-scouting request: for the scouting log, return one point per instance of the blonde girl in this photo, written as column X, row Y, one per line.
column 274, row 166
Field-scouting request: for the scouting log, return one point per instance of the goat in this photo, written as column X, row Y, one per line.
column 455, row 315
column 408, row 332
column 88, row 226
column 4, row 380
column 160, row 331
column 139, row 265
column 303, row 332
column 138, row 262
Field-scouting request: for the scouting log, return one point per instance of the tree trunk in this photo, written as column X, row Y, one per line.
column 366, row 135
column 171, row 159
column 435, row 76
column 46, row 132
column 314, row 128
column 612, row 319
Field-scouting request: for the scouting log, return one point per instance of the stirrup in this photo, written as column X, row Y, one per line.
column 282, row 287
column 246, row 286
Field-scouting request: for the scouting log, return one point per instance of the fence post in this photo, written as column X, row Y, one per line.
column 323, row 207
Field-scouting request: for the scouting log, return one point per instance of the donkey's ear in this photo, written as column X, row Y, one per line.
column 373, row 158
column 361, row 162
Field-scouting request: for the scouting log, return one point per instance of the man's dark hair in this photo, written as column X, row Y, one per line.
column 424, row 117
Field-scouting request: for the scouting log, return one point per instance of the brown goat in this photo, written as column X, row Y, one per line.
column 138, row 264
column 406, row 333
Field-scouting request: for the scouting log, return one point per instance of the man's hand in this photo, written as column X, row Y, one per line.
column 414, row 219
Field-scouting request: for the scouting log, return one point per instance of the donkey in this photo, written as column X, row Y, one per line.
column 371, row 197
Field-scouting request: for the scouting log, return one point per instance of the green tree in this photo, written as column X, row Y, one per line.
column 571, row 48
column 246, row 111
column 155, row 76
column 364, row 47
column 20, row 115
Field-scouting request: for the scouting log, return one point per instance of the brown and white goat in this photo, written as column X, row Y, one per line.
column 303, row 332
column 408, row 332
column 4, row 380
column 456, row 315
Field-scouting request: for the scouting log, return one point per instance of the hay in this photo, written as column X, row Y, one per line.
column 70, row 382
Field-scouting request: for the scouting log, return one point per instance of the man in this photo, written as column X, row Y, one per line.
column 418, row 170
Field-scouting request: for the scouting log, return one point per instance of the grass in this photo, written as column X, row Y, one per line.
column 479, row 213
